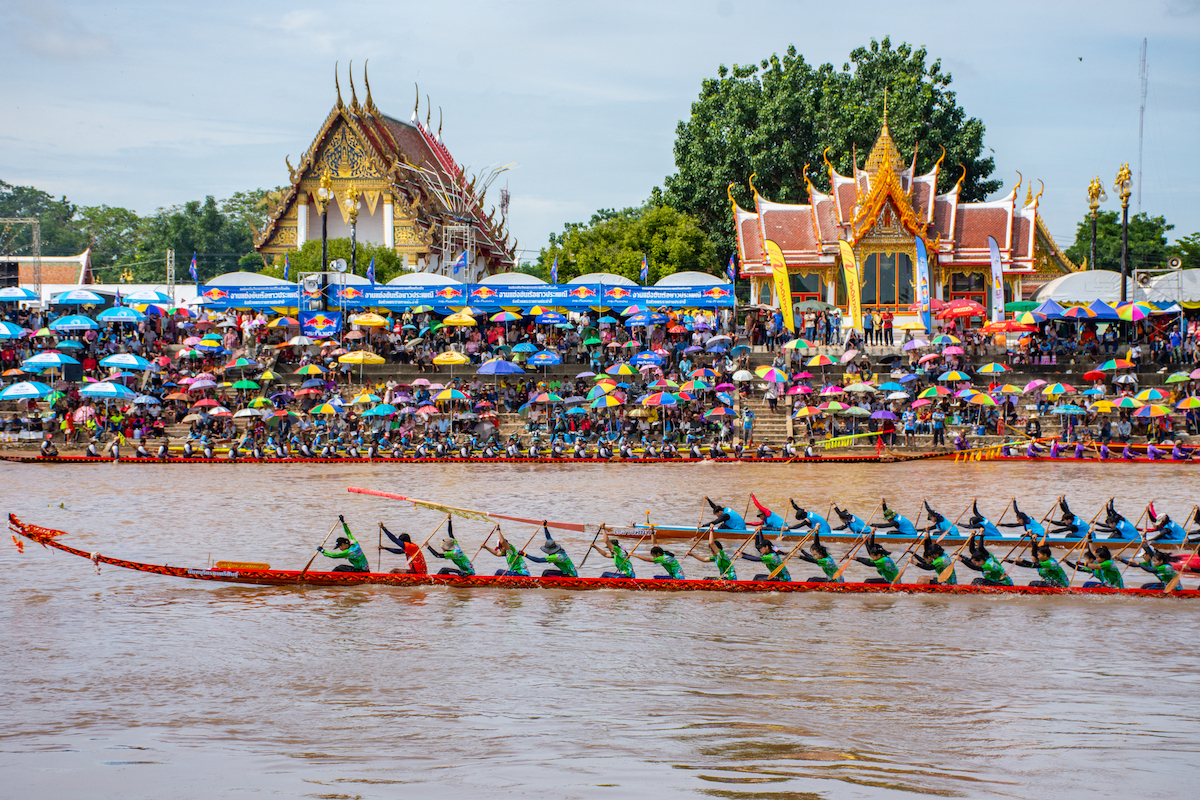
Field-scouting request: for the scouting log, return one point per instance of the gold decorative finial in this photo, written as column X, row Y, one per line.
column 353, row 96
column 417, row 102
column 367, row 83
column 729, row 194
column 961, row 178
column 428, row 112
column 1020, row 180
column 828, row 166
column 352, row 202
column 885, row 90
column 337, row 85
column 1096, row 195
column 1041, row 188
column 1124, row 184
column 1029, row 193
column 439, row 123
column 937, row 166
column 753, row 188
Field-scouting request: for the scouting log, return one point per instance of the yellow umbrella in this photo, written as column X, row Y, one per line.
column 451, row 357
column 369, row 320
column 361, row 357
column 459, row 319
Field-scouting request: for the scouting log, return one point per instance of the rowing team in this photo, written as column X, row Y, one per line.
column 1067, row 525
column 624, row 448
column 1084, row 451
column 1098, row 561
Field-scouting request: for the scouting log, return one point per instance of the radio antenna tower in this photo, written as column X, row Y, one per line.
column 1144, row 73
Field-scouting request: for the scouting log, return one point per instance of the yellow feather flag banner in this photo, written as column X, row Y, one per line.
column 783, row 286
column 853, row 295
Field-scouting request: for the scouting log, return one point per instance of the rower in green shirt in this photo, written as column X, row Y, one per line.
column 347, row 548
column 1157, row 563
column 561, row 564
column 620, row 558
column 935, row 560
column 1100, row 565
column 515, row 566
column 771, row 559
column 665, row 559
column 820, row 556
column 1048, row 569
column 720, row 558
column 981, row 560
column 452, row 551
column 879, row 558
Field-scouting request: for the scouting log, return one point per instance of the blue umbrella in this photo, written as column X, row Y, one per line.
column 125, row 361
column 75, row 322
column 210, row 348
column 717, row 349
column 14, row 294
column 725, row 397
column 146, row 400
column 546, row 358
column 70, row 345
column 44, row 360
column 739, row 349
column 26, row 390
column 148, row 296
column 311, row 382
column 498, row 366
column 381, row 410
column 891, row 386
column 907, row 378
column 9, row 330
column 637, row 320
column 1068, row 409
column 658, row 319
column 577, row 410
column 78, row 297
column 608, row 319
column 525, row 347
column 646, row 358
column 121, row 314
column 107, row 391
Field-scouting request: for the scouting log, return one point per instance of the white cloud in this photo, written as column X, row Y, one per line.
column 50, row 30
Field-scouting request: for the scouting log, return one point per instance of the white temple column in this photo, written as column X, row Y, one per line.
column 831, row 292
column 389, row 218
column 301, row 219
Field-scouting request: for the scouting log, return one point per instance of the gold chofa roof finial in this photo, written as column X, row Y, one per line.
column 367, row 83
column 353, row 96
column 337, row 85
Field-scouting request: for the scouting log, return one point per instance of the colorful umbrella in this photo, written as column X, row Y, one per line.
column 771, row 374
column 660, row 399
column 1058, row 388
column 954, row 375
column 1151, row 410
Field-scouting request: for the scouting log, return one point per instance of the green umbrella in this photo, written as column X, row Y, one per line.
column 245, row 384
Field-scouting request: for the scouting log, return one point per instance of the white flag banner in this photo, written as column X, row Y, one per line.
column 997, row 281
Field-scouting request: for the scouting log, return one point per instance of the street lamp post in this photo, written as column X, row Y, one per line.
column 352, row 206
column 324, row 195
column 1124, row 186
column 1096, row 196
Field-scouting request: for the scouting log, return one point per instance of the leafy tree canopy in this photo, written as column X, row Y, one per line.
column 773, row 118
column 615, row 241
column 1147, row 241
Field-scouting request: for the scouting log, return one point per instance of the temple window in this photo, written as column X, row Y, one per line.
column 887, row 280
column 806, row 286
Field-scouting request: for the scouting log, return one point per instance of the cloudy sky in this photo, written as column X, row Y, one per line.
column 148, row 104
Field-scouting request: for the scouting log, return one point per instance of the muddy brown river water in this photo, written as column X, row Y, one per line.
column 134, row 686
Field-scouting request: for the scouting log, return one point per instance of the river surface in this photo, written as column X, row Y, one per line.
column 134, row 686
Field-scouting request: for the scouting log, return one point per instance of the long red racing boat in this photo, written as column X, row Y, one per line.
column 263, row 575
column 872, row 458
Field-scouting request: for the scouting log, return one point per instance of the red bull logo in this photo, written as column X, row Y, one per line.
column 215, row 294
column 349, row 293
column 582, row 293
column 483, row 292
column 715, row 293
column 617, row 292
column 448, row 293
column 322, row 323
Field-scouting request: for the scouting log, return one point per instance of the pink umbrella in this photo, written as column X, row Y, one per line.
column 927, row 358
column 1034, row 384
column 802, row 375
column 922, row 402
column 953, row 350
column 800, row 390
column 848, row 356
column 192, row 341
column 724, row 387
column 420, row 382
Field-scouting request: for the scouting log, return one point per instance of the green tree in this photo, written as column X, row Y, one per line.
column 113, row 233
column 221, row 242
column 1147, row 241
column 59, row 233
column 1187, row 248
column 308, row 259
column 616, row 241
column 774, row 118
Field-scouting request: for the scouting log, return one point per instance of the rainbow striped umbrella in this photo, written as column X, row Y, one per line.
column 605, row 401
column 771, row 374
column 1132, row 312
column 448, row 394
column 505, row 316
column 806, row 411
column 945, row 338
column 994, row 367
column 310, row 369
column 1150, row 395
column 833, row 405
column 1127, row 402
column 621, row 369
column 819, row 361
column 1189, row 402
column 1152, row 411
column 954, row 375
column 1058, row 388
column 702, row 372
column 600, row 390
column 324, row 408
column 1115, row 363
column 934, row 391
column 660, row 399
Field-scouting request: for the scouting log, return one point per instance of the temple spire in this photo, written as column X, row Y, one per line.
column 337, row 85
column 353, row 96
column 885, row 106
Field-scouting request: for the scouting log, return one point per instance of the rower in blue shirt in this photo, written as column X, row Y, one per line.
column 726, row 519
column 768, row 519
column 811, row 520
column 850, row 521
column 940, row 523
column 1033, row 527
column 1165, row 529
column 902, row 524
column 981, row 523
column 1115, row 525
column 1070, row 524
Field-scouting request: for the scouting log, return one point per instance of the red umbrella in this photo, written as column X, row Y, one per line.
column 1095, row 375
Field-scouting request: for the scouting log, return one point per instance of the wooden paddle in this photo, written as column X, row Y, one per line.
column 907, row 551
column 788, row 557
column 323, row 541
column 948, row 571
column 858, row 543
column 1170, row 587
column 1085, row 540
column 485, row 541
column 603, row 525
column 698, row 540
